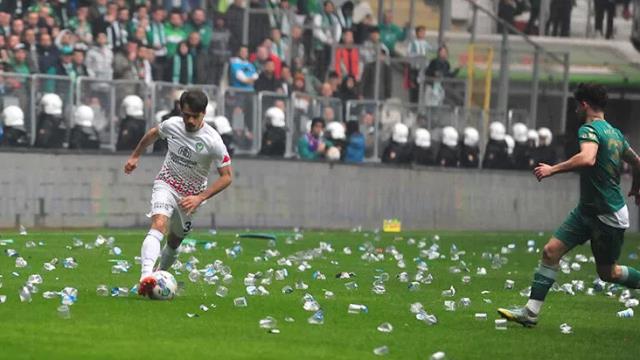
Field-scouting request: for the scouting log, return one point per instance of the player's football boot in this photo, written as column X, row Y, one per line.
column 521, row 315
column 146, row 286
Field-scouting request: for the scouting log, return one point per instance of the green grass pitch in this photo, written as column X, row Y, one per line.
column 133, row 327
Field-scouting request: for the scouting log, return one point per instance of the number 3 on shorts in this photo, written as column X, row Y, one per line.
column 187, row 227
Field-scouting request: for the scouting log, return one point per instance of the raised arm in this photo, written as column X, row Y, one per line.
column 585, row 158
column 631, row 157
column 149, row 138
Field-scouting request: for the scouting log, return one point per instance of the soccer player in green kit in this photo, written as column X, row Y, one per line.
column 601, row 215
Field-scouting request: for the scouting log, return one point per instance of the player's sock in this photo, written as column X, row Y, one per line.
column 150, row 251
column 543, row 279
column 168, row 257
column 630, row 277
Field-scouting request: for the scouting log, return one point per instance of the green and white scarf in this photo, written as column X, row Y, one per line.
column 177, row 66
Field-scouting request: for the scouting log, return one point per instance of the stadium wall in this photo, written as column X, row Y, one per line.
column 90, row 190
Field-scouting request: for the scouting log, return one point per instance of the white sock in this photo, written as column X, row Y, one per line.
column 534, row 306
column 150, row 251
column 168, row 257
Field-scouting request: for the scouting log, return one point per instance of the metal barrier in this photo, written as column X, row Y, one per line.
column 16, row 90
column 239, row 106
column 246, row 109
column 306, row 107
column 105, row 98
column 59, row 85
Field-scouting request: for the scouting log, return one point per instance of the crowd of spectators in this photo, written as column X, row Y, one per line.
column 323, row 48
column 191, row 42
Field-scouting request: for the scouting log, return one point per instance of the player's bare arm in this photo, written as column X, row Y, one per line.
column 149, row 138
column 191, row 203
column 585, row 158
column 632, row 158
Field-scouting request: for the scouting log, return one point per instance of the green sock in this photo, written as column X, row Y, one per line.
column 543, row 279
column 630, row 277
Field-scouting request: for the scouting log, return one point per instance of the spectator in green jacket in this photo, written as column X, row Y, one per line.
column 199, row 24
column 391, row 33
column 175, row 32
column 312, row 146
column 19, row 63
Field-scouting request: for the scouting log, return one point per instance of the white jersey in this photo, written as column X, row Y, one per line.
column 190, row 154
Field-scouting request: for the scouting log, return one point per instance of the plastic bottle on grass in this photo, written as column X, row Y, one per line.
column 64, row 311
column 317, row 318
column 240, row 302
column 357, row 309
column 381, row 351
column 102, row 290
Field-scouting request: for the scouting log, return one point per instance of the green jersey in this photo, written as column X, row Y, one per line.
column 600, row 191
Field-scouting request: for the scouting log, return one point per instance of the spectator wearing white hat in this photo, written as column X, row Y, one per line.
column 336, row 136
column 13, row 127
column 84, row 135
column 470, row 151
column 422, row 151
column 274, row 139
column 448, row 154
column 52, row 129
column 521, row 153
column 496, row 154
column 545, row 152
column 133, row 125
column 399, row 150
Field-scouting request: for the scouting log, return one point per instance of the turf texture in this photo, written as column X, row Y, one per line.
column 106, row 327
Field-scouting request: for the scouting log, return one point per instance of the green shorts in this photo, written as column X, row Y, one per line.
column 606, row 241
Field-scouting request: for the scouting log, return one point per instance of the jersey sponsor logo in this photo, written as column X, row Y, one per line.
column 185, row 152
column 180, row 160
column 199, row 147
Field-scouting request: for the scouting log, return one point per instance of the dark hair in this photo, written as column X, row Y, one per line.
column 195, row 99
column 317, row 120
column 333, row 75
column 175, row 11
column 348, row 6
column 593, row 94
column 352, row 127
column 420, row 28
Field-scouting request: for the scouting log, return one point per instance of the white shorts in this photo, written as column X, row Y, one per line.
column 165, row 201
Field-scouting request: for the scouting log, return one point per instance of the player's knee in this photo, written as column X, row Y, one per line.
column 159, row 223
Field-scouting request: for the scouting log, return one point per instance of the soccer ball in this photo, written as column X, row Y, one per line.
column 166, row 286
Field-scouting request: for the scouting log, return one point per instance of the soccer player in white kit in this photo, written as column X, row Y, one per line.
column 181, row 185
